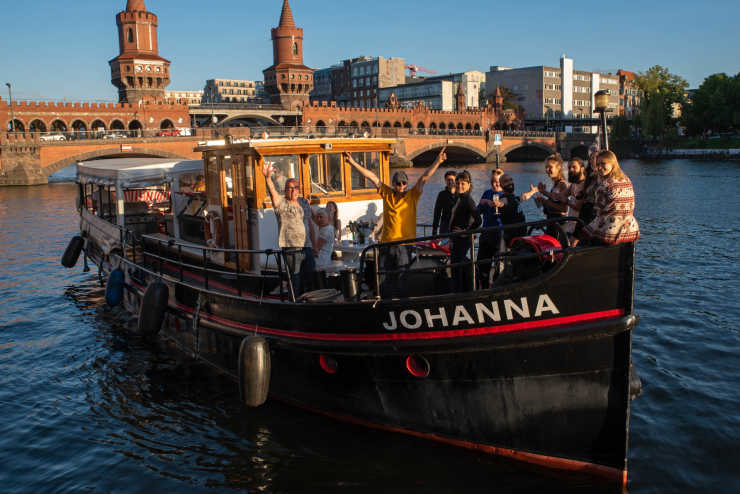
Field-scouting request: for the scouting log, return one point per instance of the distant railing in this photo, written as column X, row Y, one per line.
column 58, row 136
column 236, row 106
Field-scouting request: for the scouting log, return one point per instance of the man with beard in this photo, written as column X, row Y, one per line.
column 576, row 181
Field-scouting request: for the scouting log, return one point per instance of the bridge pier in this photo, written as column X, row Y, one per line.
column 20, row 164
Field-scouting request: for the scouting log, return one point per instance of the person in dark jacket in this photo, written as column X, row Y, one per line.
column 443, row 205
column 464, row 216
column 489, row 244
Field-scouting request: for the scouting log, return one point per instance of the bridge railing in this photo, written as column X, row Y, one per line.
column 235, row 106
column 76, row 135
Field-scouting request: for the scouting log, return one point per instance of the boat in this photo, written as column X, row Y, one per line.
column 536, row 368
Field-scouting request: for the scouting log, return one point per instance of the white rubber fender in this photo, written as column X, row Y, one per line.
column 254, row 370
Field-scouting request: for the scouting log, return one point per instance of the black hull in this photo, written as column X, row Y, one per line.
column 538, row 371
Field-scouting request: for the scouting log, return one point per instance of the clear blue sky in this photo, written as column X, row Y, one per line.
column 55, row 49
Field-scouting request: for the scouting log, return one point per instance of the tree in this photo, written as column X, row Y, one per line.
column 714, row 106
column 509, row 96
column 661, row 92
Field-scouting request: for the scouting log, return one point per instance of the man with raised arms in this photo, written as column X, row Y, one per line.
column 399, row 217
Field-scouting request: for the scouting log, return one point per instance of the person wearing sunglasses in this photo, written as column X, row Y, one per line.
column 399, row 219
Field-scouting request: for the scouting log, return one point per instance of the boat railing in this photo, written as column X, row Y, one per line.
column 188, row 257
column 469, row 236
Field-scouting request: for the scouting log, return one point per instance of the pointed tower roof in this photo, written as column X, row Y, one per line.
column 135, row 6
column 286, row 16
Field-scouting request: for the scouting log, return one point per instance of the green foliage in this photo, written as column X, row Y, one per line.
column 509, row 96
column 660, row 91
column 620, row 127
column 715, row 106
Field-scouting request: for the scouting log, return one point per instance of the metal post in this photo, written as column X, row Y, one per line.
column 472, row 261
column 605, row 144
column 10, row 103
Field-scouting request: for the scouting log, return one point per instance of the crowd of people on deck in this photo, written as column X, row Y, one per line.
column 597, row 192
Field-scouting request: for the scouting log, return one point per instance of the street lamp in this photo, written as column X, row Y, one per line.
column 601, row 106
column 10, row 102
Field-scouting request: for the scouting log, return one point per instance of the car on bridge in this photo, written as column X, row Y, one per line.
column 115, row 135
column 53, row 137
column 168, row 133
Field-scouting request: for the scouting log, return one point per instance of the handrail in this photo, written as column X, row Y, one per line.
column 532, row 225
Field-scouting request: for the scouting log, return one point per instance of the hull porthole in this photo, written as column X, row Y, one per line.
column 72, row 252
column 328, row 364
column 254, row 370
column 417, row 365
column 153, row 308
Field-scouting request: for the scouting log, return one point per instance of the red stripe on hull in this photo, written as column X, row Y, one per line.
column 428, row 335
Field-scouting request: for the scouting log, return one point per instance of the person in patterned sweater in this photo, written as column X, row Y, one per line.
column 614, row 205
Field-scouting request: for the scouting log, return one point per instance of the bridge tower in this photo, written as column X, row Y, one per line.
column 138, row 71
column 288, row 82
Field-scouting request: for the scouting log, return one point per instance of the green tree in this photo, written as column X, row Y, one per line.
column 509, row 96
column 661, row 90
column 714, row 106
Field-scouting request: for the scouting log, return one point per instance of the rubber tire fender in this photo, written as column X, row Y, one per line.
column 254, row 370
column 153, row 308
column 114, row 288
column 72, row 252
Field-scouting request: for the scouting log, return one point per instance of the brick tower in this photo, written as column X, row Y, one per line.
column 288, row 82
column 138, row 71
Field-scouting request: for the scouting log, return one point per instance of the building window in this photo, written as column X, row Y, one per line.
column 130, row 35
column 295, row 48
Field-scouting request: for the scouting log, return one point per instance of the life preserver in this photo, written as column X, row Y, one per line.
column 214, row 230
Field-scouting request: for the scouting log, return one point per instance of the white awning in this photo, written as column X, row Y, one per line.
column 135, row 172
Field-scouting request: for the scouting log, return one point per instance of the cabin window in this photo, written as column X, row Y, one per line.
column 108, row 203
column 326, row 173
column 371, row 161
column 91, row 201
column 286, row 167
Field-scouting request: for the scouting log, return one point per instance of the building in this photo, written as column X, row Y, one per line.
column 287, row 81
column 232, row 91
column 438, row 92
column 356, row 82
column 629, row 94
column 138, row 71
column 554, row 92
column 193, row 98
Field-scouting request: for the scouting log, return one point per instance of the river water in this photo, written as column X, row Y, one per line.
column 86, row 407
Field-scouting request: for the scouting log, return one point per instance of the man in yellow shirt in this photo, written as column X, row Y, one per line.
column 399, row 218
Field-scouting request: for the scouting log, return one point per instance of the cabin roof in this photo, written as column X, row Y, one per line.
column 342, row 143
column 135, row 172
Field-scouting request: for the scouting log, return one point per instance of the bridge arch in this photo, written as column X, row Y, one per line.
column 37, row 125
column 544, row 149
column 135, row 125
column 58, row 125
column 98, row 125
column 18, row 126
column 117, row 125
column 248, row 117
column 79, row 126
column 166, row 124
column 108, row 153
column 451, row 147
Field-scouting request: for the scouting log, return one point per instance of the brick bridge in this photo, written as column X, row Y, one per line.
column 26, row 160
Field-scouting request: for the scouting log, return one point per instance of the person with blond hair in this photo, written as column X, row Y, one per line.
column 614, row 205
column 554, row 202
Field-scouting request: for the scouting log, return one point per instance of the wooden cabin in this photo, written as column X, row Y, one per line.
column 236, row 189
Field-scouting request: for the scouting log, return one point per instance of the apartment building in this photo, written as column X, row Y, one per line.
column 356, row 81
column 438, row 92
column 232, row 91
column 184, row 97
column 555, row 92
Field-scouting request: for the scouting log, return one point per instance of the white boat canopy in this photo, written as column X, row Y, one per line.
column 134, row 172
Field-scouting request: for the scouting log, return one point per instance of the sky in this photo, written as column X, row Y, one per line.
column 59, row 50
